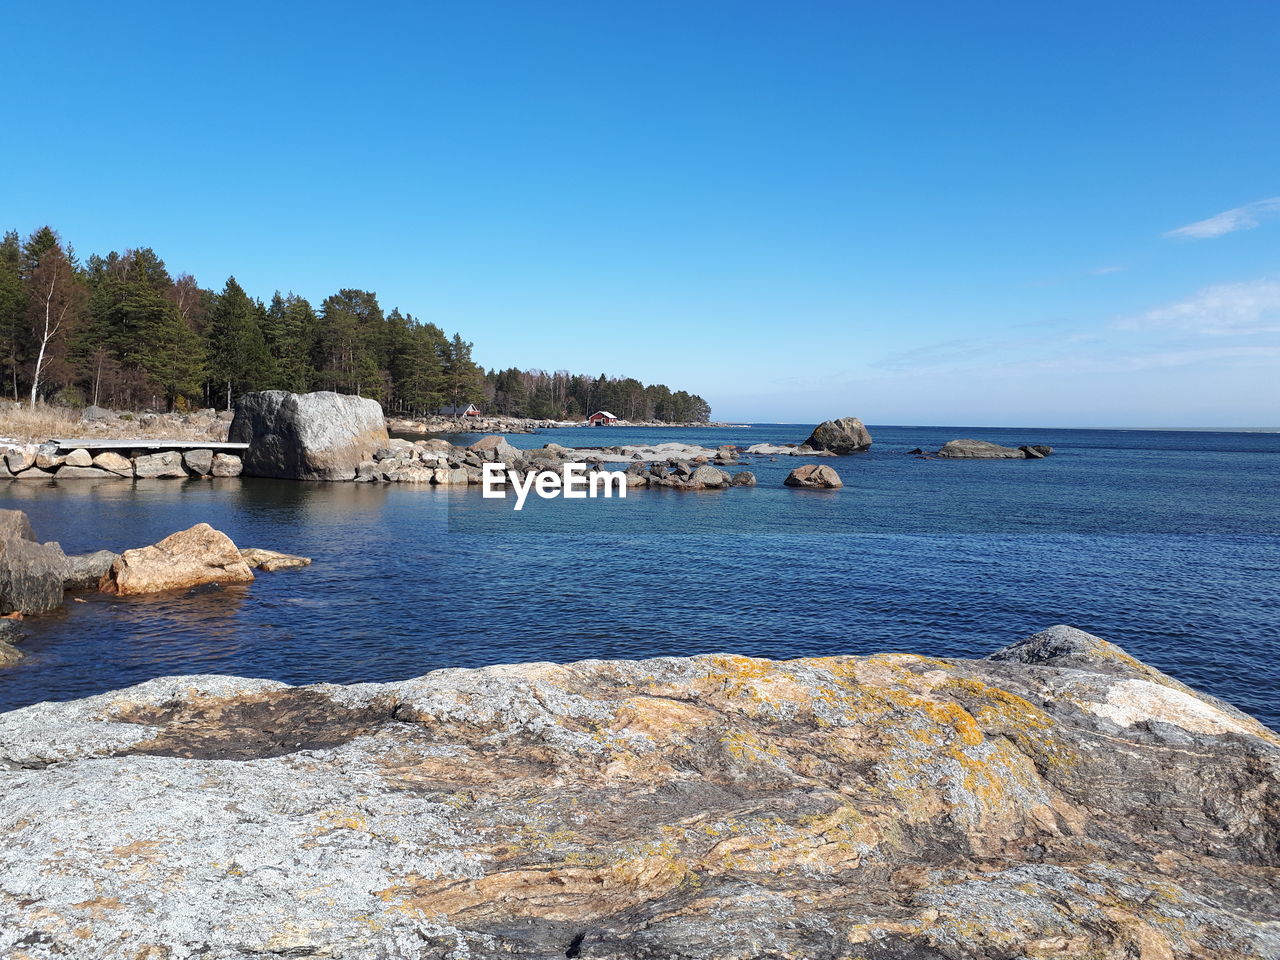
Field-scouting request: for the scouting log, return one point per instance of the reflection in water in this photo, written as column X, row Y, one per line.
column 953, row 559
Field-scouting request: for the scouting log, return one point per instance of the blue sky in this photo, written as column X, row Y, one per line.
column 979, row 213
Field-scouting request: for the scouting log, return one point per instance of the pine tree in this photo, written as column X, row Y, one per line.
column 462, row 378
column 238, row 355
column 13, row 306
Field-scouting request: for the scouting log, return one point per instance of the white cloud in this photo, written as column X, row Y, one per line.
column 1103, row 271
column 1229, row 221
column 1225, row 309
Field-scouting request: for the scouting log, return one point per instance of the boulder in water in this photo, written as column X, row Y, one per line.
column 816, row 476
column 189, row 558
column 309, row 436
column 845, row 435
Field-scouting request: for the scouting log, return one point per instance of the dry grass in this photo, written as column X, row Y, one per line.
column 45, row 422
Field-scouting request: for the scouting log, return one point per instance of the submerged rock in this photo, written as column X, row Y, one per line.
column 814, row 475
column 845, row 435
column 1059, row 799
column 310, row 436
column 185, row 559
column 984, row 450
column 271, row 561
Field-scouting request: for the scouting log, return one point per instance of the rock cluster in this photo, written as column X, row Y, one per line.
column 1059, row 799
column 438, row 462
column 35, row 576
column 44, row 462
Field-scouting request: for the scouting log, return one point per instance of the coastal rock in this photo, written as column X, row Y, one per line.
column 19, row 460
column 845, row 435
column 198, row 462
column 185, row 559
column 84, row 571
column 79, row 458
column 497, row 444
column 710, row 478
column 888, row 807
column 311, row 436
column 15, row 524
column 814, row 475
column 34, row 473
column 744, row 478
column 271, row 561
column 226, row 465
column 984, row 450
column 31, row 576
column 85, row 473
column 49, row 459
column 114, row 463
column 157, row 465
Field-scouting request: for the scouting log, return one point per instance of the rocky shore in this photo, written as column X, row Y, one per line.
column 1057, row 799
column 483, row 424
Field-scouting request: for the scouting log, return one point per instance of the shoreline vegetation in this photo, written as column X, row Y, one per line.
column 121, row 331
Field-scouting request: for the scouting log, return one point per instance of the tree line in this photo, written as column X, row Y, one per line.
column 121, row 331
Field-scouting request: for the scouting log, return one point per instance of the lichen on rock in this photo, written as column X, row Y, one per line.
column 1060, row 799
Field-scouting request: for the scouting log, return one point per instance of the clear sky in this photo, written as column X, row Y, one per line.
column 946, row 213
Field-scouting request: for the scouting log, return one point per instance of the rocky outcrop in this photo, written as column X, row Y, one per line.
column 818, row 476
column 311, row 436
column 1058, row 800
column 842, row 436
column 983, row 450
column 189, row 558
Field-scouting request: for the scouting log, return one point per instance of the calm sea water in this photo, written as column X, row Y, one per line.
column 1165, row 542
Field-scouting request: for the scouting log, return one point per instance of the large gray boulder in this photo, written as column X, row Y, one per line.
column 1061, row 800
column 309, row 436
column 31, row 576
column 845, row 435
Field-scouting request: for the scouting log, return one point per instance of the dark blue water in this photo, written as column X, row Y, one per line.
column 1165, row 542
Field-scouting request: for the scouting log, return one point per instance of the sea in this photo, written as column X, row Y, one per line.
column 1165, row 542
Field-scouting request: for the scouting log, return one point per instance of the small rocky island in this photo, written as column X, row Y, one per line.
column 1057, row 799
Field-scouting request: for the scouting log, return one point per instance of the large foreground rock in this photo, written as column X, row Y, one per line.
column 845, row 435
column 310, row 436
column 1062, row 800
column 189, row 558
